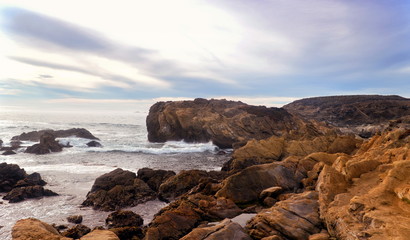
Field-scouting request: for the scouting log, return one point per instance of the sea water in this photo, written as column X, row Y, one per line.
column 72, row 172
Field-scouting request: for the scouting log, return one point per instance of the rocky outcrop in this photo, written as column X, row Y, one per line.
column 154, row 178
column 364, row 196
column 294, row 218
column 224, row 230
column 19, row 185
column 100, row 235
column 223, row 122
column 364, row 114
column 118, row 189
column 47, row 144
column 33, row 229
column 123, row 219
column 73, row 132
column 77, row 231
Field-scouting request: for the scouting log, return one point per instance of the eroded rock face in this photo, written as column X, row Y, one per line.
column 362, row 197
column 118, row 189
column 33, row 229
column 294, row 218
column 36, row 135
column 223, row 122
column 224, row 230
column 154, row 178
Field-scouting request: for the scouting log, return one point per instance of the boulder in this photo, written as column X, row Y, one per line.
column 118, row 189
column 77, row 231
column 181, row 183
column 223, row 230
column 47, row 144
column 10, row 174
column 34, row 229
column 8, row 152
column 21, row 193
column 128, row 233
column 100, row 235
column 76, row 219
column 294, row 218
column 225, row 123
column 94, row 144
column 123, row 219
column 154, row 178
column 35, row 136
column 31, row 180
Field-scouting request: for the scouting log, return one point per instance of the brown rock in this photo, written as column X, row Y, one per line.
column 47, row 144
column 10, row 174
column 119, row 219
column 118, row 189
column 100, row 235
column 319, row 236
column 128, row 233
column 77, row 231
column 21, row 193
column 154, row 178
column 77, row 219
column 225, row 123
column 35, row 136
column 294, row 218
column 33, row 229
column 224, row 230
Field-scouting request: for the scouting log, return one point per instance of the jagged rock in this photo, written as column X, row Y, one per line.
column 21, row 193
column 154, row 178
column 245, row 186
column 77, row 231
column 94, row 144
column 8, row 152
column 33, row 229
column 294, row 218
column 224, row 230
column 31, row 180
column 223, row 122
column 47, row 144
column 10, row 174
column 119, row 219
column 367, row 202
column 181, row 183
column 118, row 189
column 100, row 235
column 73, row 132
column 76, row 219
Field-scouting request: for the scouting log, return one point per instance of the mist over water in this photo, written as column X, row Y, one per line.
column 72, row 172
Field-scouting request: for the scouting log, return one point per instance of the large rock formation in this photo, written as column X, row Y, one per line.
column 356, row 111
column 34, row 136
column 223, row 122
column 47, row 144
column 118, row 189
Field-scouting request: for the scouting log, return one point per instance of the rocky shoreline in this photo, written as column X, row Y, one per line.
column 298, row 179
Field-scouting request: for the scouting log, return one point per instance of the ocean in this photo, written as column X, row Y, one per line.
column 72, row 172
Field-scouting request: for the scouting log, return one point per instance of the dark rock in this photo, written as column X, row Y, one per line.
column 21, row 193
column 77, row 219
column 31, row 180
column 119, row 219
column 128, row 233
column 77, row 231
column 10, row 174
column 8, row 152
column 118, row 189
column 47, row 144
column 223, row 122
column 223, row 230
column 59, row 227
column 154, row 178
column 94, row 144
column 73, row 132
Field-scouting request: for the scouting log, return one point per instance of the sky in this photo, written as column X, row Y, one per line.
column 120, row 54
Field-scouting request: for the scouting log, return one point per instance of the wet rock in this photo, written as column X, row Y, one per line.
column 47, row 144
column 100, row 235
column 31, row 180
column 119, row 219
column 77, row 231
column 224, row 230
column 35, row 136
column 225, row 123
column 10, row 174
column 94, row 144
column 118, row 189
column 8, row 152
column 181, row 183
column 21, row 193
column 154, row 178
column 33, row 229
column 76, row 219
column 294, row 218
